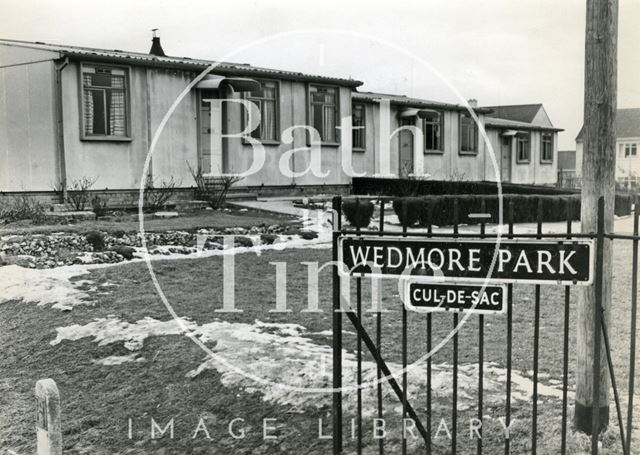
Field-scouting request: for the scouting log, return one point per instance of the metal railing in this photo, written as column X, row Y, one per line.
column 424, row 421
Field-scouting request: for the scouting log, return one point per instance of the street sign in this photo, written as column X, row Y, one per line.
column 469, row 260
column 457, row 297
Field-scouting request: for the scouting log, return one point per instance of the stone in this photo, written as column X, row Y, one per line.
column 165, row 214
column 48, row 422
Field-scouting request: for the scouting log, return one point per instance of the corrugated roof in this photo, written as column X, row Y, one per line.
column 627, row 124
column 494, row 122
column 517, row 112
column 139, row 58
column 411, row 102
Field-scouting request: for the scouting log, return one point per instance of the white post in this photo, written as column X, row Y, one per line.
column 48, row 425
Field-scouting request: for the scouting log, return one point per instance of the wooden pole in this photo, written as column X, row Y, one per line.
column 598, row 180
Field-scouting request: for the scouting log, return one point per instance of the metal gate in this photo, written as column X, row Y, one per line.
column 422, row 413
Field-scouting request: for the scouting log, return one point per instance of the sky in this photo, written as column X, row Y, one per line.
column 495, row 51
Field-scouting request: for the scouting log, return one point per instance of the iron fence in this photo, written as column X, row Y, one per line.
column 422, row 413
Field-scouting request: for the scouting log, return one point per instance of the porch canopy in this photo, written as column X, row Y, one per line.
column 415, row 112
column 237, row 84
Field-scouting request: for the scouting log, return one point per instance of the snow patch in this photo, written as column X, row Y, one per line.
column 284, row 355
column 44, row 286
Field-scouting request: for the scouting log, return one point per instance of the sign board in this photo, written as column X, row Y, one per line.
column 490, row 299
column 469, row 260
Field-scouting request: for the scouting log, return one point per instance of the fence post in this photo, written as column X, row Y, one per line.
column 337, row 332
column 48, row 425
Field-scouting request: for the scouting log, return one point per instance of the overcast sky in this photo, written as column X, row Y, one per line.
column 497, row 51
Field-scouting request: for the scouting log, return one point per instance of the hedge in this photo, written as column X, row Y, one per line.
column 439, row 210
column 358, row 212
column 412, row 187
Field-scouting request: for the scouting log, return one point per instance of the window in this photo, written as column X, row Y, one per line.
column 358, row 126
column 546, row 153
column 522, row 147
column 266, row 98
column 323, row 112
column 630, row 150
column 468, row 134
column 433, row 129
column 105, row 102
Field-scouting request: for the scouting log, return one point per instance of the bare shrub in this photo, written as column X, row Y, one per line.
column 22, row 207
column 213, row 189
column 100, row 203
column 78, row 192
column 157, row 195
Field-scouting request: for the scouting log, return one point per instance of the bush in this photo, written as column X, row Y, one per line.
column 358, row 212
column 308, row 235
column 95, row 239
column 243, row 241
column 126, row 252
column 213, row 190
column 408, row 210
column 99, row 204
column 78, row 193
column 22, row 207
column 156, row 196
column 268, row 239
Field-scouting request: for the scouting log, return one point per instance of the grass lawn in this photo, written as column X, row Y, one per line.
column 128, row 222
column 98, row 400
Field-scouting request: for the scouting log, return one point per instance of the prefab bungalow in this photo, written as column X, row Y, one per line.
column 428, row 139
column 444, row 142
column 525, row 143
column 70, row 112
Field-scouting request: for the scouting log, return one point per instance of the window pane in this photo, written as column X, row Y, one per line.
column 96, row 120
column 268, row 123
column 316, row 120
column 117, row 114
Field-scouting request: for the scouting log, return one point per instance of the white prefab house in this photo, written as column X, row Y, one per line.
column 627, row 129
column 68, row 112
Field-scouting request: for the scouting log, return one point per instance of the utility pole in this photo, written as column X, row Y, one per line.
column 598, row 180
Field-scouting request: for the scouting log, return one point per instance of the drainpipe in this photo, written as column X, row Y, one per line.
column 60, row 125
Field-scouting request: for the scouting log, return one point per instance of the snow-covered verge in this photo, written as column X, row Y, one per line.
column 279, row 360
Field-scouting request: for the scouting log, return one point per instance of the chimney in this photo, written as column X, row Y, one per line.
column 473, row 102
column 156, row 47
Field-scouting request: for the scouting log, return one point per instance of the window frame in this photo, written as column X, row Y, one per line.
column 278, row 134
column 362, row 130
column 519, row 138
column 544, row 160
column 476, row 132
column 127, row 90
column 323, row 142
column 633, row 146
column 440, row 149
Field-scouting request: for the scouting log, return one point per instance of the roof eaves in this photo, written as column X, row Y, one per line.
column 221, row 67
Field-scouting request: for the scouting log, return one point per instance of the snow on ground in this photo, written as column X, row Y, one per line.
column 281, row 355
column 44, row 286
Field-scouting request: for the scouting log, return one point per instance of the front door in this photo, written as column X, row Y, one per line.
column 209, row 123
column 406, row 148
column 505, row 159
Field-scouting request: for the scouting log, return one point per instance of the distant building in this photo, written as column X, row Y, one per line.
column 526, row 143
column 627, row 129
